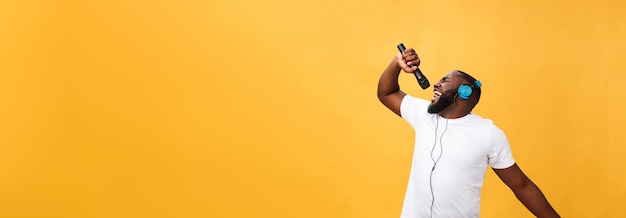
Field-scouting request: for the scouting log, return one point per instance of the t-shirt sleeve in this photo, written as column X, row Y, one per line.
column 411, row 108
column 500, row 156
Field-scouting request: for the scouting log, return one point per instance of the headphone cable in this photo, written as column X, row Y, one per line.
column 432, row 193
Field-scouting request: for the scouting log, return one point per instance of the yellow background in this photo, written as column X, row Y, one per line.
column 268, row 108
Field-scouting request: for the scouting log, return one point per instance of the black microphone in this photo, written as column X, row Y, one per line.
column 421, row 79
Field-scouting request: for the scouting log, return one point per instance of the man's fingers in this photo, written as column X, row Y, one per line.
column 409, row 52
column 408, row 60
column 412, row 60
column 410, row 57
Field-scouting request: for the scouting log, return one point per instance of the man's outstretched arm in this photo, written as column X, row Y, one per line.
column 526, row 191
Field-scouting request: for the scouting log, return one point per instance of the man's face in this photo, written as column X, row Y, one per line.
column 444, row 92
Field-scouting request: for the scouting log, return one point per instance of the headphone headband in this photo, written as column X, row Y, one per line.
column 478, row 84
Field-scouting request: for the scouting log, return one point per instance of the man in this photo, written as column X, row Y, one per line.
column 453, row 147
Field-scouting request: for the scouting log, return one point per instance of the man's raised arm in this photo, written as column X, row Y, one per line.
column 389, row 92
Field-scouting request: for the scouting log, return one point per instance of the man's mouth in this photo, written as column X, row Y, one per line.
column 436, row 95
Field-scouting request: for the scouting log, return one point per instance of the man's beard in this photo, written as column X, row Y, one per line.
column 444, row 101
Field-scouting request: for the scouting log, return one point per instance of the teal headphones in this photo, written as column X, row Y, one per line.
column 465, row 90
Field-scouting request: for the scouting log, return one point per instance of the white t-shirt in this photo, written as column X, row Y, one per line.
column 462, row 149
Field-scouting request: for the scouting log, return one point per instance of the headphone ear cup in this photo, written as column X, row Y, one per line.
column 465, row 91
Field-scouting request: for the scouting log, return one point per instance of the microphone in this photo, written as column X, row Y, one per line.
column 421, row 79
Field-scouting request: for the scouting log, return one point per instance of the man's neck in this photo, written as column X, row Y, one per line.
column 452, row 112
